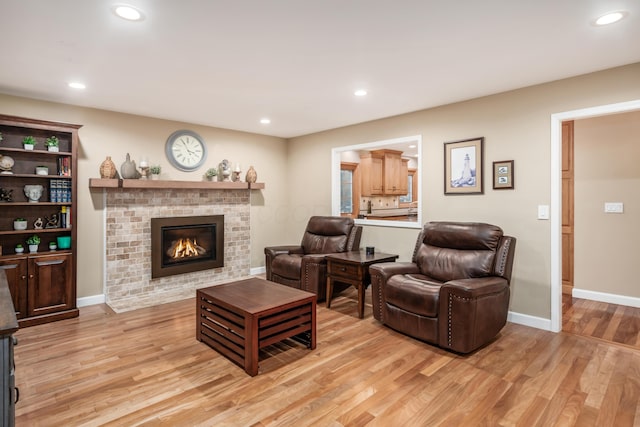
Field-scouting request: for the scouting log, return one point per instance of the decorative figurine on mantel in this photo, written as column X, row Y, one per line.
column 252, row 175
column 225, row 170
column 236, row 173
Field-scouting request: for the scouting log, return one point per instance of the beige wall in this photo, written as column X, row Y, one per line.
column 607, row 152
column 112, row 134
column 516, row 125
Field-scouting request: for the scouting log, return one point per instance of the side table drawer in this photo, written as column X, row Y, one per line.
column 344, row 270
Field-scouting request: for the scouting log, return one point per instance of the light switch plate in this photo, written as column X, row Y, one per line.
column 543, row 211
column 614, row 207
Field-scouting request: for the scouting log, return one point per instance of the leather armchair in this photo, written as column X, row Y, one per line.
column 303, row 266
column 455, row 291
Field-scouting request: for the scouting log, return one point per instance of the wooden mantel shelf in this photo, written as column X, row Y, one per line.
column 169, row 185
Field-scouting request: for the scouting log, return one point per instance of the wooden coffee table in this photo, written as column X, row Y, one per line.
column 353, row 268
column 237, row 319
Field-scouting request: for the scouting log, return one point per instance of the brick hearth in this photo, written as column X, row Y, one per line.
column 128, row 283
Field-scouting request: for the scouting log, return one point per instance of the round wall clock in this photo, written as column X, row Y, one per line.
column 186, row 150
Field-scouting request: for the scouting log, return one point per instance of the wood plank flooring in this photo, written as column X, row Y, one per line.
column 608, row 322
column 145, row 368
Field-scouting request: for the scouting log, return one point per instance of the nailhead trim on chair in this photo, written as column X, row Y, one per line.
column 379, row 286
column 503, row 258
column 449, row 315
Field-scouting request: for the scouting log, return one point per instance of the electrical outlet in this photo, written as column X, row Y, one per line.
column 614, row 207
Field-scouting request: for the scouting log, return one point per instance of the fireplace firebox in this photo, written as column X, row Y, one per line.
column 185, row 244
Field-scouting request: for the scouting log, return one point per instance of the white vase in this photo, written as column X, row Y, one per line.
column 28, row 147
column 33, row 249
column 54, row 149
column 155, row 176
column 42, row 170
column 19, row 250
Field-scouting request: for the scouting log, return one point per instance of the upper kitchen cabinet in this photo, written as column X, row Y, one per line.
column 384, row 172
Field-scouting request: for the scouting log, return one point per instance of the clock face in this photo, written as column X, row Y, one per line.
column 186, row 150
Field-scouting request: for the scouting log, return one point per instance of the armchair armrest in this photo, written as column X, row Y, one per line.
column 472, row 312
column 314, row 275
column 384, row 270
column 277, row 250
column 380, row 273
column 476, row 287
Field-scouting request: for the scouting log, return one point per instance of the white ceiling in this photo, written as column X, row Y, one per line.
column 228, row 63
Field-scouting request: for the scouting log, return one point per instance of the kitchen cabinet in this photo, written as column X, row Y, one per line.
column 371, row 174
column 384, row 172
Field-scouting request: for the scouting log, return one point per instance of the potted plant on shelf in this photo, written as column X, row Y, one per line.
column 52, row 143
column 19, row 224
column 29, row 142
column 211, row 173
column 42, row 170
column 155, row 171
column 19, row 248
column 33, row 242
column 53, row 245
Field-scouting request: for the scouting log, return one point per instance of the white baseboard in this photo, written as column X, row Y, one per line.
column 257, row 270
column 605, row 297
column 527, row 320
column 92, row 300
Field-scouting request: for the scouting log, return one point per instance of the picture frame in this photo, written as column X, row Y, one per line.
column 503, row 175
column 463, row 166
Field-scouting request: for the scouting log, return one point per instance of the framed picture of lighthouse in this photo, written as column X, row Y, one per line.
column 463, row 167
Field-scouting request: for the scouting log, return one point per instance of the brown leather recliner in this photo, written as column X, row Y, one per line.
column 304, row 266
column 455, row 291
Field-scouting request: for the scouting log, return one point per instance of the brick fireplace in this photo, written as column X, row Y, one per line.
column 128, row 278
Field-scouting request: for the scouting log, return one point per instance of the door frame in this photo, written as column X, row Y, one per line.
column 556, row 194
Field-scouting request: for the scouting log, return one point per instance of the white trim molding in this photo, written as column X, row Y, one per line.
column 605, row 297
column 556, row 195
column 92, row 300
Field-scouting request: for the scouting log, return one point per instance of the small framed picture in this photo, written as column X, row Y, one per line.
column 463, row 167
column 503, row 175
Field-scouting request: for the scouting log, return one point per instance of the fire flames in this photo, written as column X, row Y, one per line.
column 185, row 248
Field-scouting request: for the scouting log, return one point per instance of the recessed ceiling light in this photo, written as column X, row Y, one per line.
column 610, row 18
column 360, row 92
column 77, row 85
column 412, row 146
column 265, row 121
column 127, row 12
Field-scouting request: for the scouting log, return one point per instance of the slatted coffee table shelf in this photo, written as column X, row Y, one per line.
column 237, row 319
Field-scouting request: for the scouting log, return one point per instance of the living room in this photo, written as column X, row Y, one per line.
column 516, row 124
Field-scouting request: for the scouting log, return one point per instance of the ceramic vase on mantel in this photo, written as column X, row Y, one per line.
column 129, row 170
column 108, row 169
column 252, row 175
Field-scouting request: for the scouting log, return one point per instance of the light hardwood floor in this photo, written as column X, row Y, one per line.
column 146, row 368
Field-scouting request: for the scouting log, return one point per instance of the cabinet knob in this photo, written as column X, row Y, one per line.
column 31, row 276
column 23, row 277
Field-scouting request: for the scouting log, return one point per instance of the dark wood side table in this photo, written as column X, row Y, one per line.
column 353, row 268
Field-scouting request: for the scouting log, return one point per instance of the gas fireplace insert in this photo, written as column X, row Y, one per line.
column 185, row 244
